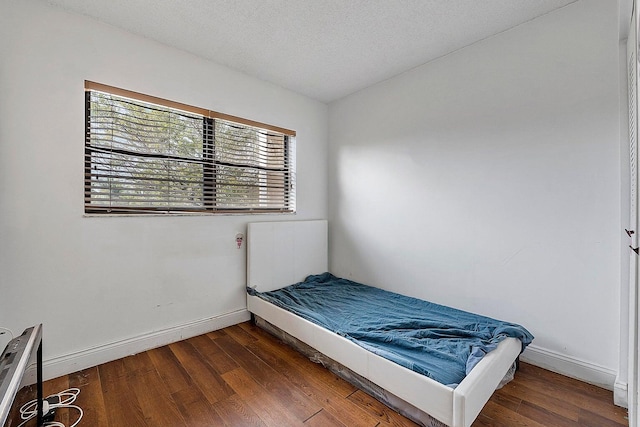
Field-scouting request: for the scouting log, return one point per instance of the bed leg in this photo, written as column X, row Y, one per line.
column 517, row 361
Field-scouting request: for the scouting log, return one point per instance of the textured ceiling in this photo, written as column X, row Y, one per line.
column 325, row 49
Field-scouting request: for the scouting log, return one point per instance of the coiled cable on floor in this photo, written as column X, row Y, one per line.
column 5, row 331
column 64, row 399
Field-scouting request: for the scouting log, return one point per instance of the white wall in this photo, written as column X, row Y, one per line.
column 99, row 284
column 489, row 180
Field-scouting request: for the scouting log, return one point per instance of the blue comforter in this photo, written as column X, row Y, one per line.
column 440, row 342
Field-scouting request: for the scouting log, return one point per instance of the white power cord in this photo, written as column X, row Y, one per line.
column 6, row 330
column 64, row 399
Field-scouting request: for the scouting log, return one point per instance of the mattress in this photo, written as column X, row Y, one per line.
column 439, row 342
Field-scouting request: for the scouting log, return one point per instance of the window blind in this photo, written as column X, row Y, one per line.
column 144, row 157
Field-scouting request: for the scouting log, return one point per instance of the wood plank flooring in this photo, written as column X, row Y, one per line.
column 242, row 376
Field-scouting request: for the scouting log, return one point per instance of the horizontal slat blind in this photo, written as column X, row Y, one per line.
column 146, row 158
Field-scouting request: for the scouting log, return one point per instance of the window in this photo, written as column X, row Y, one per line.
column 148, row 155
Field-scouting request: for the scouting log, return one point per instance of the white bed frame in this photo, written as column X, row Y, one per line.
column 283, row 253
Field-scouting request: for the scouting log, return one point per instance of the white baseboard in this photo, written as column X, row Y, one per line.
column 84, row 359
column 620, row 397
column 570, row 366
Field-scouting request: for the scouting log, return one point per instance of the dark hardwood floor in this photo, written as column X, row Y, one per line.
column 242, row 376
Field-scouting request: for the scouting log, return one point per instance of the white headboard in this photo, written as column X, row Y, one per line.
column 282, row 253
